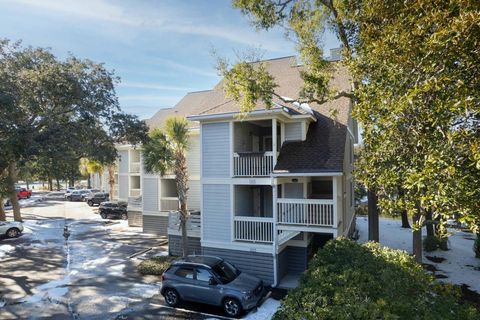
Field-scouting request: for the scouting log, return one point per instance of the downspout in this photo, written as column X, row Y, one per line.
column 275, row 233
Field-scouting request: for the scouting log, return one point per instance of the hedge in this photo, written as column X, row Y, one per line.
column 155, row 265
column 346, row 280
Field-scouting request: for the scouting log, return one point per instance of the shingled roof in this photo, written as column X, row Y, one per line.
column 323, row 149
column 192, row 103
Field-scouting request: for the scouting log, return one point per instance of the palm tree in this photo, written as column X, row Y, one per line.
column 167, row 150
column 88, row 167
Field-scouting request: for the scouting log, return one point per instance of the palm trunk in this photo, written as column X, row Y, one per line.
column 181, row 179
column 89, row 181
column 373, row 223
column 3, row 215
column 12, row 175
column 100, row 175
column 111, row 180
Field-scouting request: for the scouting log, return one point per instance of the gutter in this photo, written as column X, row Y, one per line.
column 307, row 174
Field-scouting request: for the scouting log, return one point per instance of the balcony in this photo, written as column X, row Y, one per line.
column 135, row 167
column 306, row 212
column 135, row 192
column 252, row 164
column 253, row 229
column 168, row 203
column 135, row 203
column 193, row 224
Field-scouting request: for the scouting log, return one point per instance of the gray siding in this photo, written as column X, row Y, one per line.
column 282, row 261
column 193, row 156
column 294, row 190
column 150, row 194
column 135, row 219
column 123, row 161
column 194, row 195
column 123, row 187
column 216, row 212
column 293, row 131
column 216, row 149
column 175, row 245
column 255, row 263
column 297, row 259
column 155, row 225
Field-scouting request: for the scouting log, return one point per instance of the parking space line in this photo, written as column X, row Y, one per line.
column 190, row 311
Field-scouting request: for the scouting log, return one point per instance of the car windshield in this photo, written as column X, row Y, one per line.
column 225, row 272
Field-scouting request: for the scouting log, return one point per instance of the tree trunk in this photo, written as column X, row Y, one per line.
column 89, row 181
column 111, row 180
column 417, row 237
column 28, row 184
column 58, row 184
column 373, row 229
column 429, row 223
column 100, row 176
column 3, row 216
column 50, row 184
column 184, row 233
column 12, row 175
column 405, row 223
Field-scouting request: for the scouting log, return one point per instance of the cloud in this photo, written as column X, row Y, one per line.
column 163, row 19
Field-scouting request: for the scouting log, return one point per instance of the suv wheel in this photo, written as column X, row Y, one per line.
column 171, row 297
column 124, row 216
column 103, row 215
column 90, row 203
column 13, row 232
column 69, row 198
column 232, row 307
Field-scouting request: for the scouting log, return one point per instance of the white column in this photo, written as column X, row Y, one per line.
column 335, row 201
column 282, row 133
column 232, row 143
column 274, row 141
column 274, row 213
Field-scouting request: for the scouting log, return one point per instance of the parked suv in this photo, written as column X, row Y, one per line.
column 211, row 280
column 97, row 198
column 115, row 209
column 11, row 229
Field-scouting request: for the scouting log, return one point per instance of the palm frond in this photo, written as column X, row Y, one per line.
column 158, row 156
column 176, row 129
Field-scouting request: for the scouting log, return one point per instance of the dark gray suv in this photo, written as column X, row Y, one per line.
column 211, row 280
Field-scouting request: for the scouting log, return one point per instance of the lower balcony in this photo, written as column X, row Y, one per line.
column 253, row 229
column 168, row 203
column 306, row 212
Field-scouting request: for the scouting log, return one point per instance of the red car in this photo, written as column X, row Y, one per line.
column 23, row 193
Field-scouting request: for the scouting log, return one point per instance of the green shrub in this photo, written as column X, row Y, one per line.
column 346, row 280
column 155, row 265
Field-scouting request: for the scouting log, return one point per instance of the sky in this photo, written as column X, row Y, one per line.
column 160, row 49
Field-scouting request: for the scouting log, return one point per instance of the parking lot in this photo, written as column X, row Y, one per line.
column 71, row 264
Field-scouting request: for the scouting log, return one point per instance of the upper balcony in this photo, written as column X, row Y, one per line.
column 255, row 147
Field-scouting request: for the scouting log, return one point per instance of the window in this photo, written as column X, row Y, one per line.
column 203, row 274
column 185, row 272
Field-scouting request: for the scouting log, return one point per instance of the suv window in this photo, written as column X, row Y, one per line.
column 203, row 274
column 185, row 272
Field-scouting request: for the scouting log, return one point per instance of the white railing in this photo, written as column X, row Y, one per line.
column 135, row 167
column 252, row 164
column 135, row 203
column 310, row 212
column 168, row 203
column 254, row 229
column 193, row 223
column 135, row 192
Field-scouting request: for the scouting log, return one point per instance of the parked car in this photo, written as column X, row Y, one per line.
column 113, row 209
column 23, row 193
column 69, row 191
column 211, row 280
column 11, row 229
column 78, row 195
column 97, row 198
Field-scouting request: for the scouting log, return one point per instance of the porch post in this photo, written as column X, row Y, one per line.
column 274, row 141
column 275, row 232
column 335, row 201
